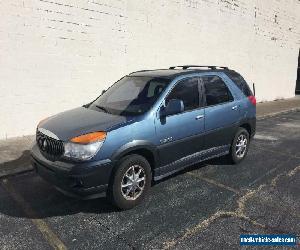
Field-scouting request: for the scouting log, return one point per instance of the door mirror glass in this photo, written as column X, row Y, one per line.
column 173, row 107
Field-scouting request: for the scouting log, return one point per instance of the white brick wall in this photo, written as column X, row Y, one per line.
column 59, row 54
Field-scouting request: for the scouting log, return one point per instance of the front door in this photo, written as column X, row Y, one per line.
column 181, row 135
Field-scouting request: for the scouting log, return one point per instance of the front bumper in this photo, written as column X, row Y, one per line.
column 84, row 180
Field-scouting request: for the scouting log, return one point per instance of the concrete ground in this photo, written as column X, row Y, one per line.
column 204, row 207
column 279, row 106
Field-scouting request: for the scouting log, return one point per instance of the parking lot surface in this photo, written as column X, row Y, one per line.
column 206, row 206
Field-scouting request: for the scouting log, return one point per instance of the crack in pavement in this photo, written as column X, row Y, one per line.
column 238, row 213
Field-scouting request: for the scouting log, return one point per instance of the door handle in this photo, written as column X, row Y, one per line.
column 198, row 117
column 234, row 107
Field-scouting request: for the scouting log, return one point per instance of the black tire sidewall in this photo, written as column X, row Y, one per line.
column 115, row 190
column 233, row 155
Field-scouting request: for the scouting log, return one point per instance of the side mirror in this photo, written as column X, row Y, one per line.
column 103, row 91
column 173, row 107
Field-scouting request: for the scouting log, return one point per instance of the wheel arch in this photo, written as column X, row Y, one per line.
column 143, row 148
column 246, row 126
column 249, row 123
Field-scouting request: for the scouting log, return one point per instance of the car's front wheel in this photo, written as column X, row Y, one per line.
column 131, row 182
column 239, row 146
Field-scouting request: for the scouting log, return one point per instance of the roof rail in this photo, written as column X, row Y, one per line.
column 198, row 66
column 144, row 70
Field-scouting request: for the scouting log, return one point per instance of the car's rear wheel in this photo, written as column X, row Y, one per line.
column 239, row 146
column 131, row 182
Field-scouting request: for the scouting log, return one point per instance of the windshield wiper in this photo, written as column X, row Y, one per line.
column 102, row 108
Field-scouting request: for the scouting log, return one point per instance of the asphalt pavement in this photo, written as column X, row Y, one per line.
column 206, row 206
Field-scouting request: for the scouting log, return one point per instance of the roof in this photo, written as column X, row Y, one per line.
column 175, row 71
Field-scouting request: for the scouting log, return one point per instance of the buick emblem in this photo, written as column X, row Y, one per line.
column 45, row 144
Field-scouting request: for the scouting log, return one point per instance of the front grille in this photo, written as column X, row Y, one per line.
column 51, row 148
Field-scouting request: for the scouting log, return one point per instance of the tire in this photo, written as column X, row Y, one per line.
column 135, row 187
column 236, row 155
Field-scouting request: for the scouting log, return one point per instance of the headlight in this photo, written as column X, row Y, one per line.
column 81, row 151
column 84, row 147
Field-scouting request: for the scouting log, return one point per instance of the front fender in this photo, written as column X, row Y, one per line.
column 133, row 146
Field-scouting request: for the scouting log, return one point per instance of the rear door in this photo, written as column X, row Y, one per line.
column 221, row 112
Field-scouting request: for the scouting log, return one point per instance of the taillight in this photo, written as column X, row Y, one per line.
column 252, row 99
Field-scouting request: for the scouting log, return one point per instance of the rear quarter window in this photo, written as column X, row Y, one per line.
column 240, row 83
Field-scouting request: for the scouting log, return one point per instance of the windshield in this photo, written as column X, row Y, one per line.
column 131, row 95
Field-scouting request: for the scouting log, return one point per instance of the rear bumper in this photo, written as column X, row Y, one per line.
column 81, row 180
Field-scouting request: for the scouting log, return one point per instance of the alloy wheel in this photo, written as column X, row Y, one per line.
column 241, row 146
column 133, row 182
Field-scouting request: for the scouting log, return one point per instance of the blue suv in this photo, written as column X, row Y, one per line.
column 146, row 126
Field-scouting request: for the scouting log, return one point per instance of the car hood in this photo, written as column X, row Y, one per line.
column 79, row 121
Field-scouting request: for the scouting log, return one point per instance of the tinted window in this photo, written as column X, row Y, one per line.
column 130, row 95
column 216, row 91
column 155, row 88
column 240, row 83
column 187, row 91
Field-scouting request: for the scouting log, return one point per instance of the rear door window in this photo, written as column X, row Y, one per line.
column 216, row 91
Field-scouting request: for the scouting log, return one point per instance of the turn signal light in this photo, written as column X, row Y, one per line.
column 89, row 138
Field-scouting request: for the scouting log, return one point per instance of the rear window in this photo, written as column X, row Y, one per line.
column 240, row 83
